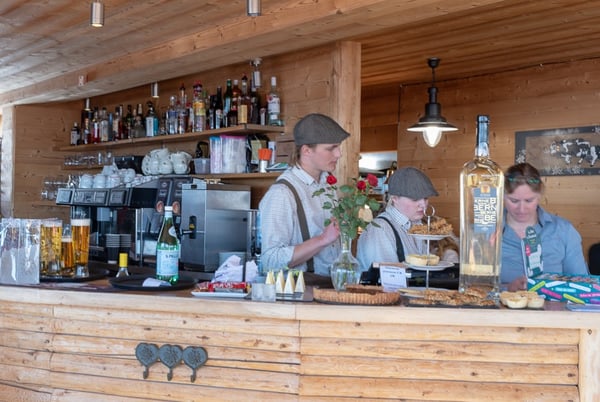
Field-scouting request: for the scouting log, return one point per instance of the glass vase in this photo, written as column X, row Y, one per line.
column 345, row 269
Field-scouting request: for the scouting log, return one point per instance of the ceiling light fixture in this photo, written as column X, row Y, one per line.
column 97, row 14
column 433, row 124
column 253, row 8
column 154, row 90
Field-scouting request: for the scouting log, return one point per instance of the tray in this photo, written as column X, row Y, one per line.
column 442, row 265
column 135, row 282
column 95, row 274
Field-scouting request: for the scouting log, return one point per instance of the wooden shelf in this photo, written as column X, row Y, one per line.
column 232, row 176
column 242, row 129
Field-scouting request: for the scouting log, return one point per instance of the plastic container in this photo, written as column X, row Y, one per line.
column 234, row 154
column 202, row 165
column 216, row 155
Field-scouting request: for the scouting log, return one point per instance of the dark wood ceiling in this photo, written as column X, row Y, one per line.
column 45, row 45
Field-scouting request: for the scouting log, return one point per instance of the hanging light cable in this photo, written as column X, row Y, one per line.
column 433, row 124
column 253, row 8
column 97, row 14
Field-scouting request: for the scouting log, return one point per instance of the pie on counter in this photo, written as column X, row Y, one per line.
column 357, row 294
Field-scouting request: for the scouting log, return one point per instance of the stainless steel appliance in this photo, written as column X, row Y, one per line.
column 214, row 218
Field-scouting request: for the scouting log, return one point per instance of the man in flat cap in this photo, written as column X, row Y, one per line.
column 386, row 238
column 292, row 228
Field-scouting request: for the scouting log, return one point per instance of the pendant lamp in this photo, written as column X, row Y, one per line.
column 253, row 8
column 97, row 14
column 433, row 124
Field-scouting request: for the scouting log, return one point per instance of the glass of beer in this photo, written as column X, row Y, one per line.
column 80, row 233
column 67, row 262
column 50, row 247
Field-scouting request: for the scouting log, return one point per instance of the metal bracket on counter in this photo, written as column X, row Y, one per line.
column 171, row 356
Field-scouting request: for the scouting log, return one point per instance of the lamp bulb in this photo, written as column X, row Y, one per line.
column 432, row 136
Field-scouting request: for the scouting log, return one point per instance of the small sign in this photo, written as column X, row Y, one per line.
column 532, row 253
column 392, row 278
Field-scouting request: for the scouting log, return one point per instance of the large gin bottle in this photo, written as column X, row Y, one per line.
column 481, row 214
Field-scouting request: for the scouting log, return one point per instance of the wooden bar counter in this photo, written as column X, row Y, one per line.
column 59, row 344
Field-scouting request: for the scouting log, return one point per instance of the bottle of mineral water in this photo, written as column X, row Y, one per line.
column 167, row 250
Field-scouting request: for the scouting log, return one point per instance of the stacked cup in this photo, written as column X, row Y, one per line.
column 125, row 243
column 113, row 242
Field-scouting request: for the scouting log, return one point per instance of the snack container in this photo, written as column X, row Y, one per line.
column 582, row 289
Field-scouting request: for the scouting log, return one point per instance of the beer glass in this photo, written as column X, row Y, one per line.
column 67, row 262
column 80, row 233
column 50, row 247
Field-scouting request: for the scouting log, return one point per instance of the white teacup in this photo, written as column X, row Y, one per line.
column 86, row 181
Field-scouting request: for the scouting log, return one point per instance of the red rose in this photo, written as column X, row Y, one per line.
column 331, row 180
column 361, row 185
column 372, row 179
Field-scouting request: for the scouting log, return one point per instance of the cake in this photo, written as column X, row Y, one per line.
column 422, row 260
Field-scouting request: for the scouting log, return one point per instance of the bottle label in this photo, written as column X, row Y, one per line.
column 485, row 208
column 274, row 104
column 167, row 262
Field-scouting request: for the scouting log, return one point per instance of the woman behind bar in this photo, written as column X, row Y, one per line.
column 560, row 242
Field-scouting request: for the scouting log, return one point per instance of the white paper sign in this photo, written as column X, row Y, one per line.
column 392, row 278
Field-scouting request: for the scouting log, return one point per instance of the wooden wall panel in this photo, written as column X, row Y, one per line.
column 553, row 96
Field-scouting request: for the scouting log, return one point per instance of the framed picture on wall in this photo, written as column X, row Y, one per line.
column 560, row 151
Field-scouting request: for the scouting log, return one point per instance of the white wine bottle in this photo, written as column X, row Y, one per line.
column 481, row 215
column 167, row 250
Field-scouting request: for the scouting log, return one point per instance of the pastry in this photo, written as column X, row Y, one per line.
column 422, row 260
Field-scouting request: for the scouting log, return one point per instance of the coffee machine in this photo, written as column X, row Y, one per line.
column 215, row 218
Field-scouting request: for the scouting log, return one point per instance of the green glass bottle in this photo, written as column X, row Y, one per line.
column 167, row 250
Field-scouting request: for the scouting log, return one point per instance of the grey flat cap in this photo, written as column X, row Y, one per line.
column 410, row 182
column 317, row 128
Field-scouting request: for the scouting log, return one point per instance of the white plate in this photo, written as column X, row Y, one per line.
column 428, row 237
column 439, row 267
column 230, row 295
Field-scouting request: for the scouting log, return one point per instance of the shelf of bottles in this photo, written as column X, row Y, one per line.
column 241, row 129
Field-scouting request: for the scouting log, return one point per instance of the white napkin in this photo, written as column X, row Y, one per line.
column 233, row 271
column 153, row 282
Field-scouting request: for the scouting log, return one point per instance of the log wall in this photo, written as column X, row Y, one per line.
column 541, row 97
column 315, row 80
column 61, row 345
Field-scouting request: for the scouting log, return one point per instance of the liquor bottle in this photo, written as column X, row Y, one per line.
column 219, row 108
column 95, row 127
column 232, row 115
column 199, row 109
column 75, row 134
column 481, row 215
column 167, row 250
column 151, row 121
column 117, row 126
column 254, row 105
column 103, row 125
column 227, row 100
column 244, row 103
column 274, row 105
column 172, row 116
column 128, row 124
column 138, row 130
column 86, row 120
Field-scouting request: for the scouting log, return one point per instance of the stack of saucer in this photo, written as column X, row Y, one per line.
column 125, row 242
column 112, row 248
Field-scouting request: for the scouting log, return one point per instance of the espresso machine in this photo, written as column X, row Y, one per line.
column 215, row 218
column 136, row 211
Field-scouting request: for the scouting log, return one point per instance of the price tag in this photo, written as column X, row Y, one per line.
column 392, row 278
column 532, row 253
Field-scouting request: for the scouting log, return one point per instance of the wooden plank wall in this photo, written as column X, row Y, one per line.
column 69, row 353
column 308, row 82
column 553, row 96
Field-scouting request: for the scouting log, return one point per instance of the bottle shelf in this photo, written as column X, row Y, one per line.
column 242, row 129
